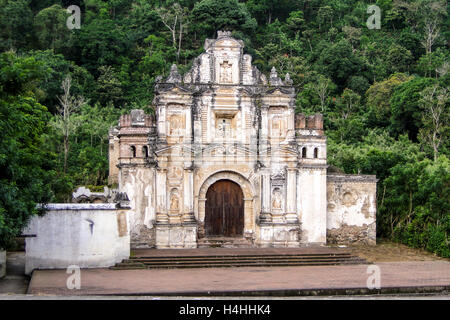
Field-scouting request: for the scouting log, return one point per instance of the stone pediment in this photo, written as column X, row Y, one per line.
column 228, row 150
column 179, row 90
column 281, row 90
column 281, row 175
column 171, row 87
column 251, row 91
column 175, row 150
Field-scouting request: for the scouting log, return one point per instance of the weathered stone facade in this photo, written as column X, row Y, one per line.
column 225, row 121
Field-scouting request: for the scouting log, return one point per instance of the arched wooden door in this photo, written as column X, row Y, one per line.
column 224, row 210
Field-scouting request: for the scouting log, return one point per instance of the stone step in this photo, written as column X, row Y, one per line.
column 238, row 264
column 131, row 264
column 245, row 257
column 248, row 257
column 213, row 243
column 239, row 260
column 117, row 267
column 222, row 242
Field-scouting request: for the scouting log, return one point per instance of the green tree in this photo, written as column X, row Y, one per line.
column 323, row 87
column 100, row 42
column 66, row 121
column 406, row 112
column 16, row 21
column 108, row 86
column 378, row 98
column 295, row 23
column 399, row 59
column 267, row 11
column 25, row 167
column 340, row 63
column 51, row 30
column 175, row 19
column 350, row 101
column 208, row 16
column 417, row 200
column 428, row 65
column 436, row 115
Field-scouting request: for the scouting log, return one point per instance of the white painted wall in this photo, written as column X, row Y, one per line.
column 64, row 237
column 312, row 193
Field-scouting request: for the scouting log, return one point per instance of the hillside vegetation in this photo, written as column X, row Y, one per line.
column 384, row 92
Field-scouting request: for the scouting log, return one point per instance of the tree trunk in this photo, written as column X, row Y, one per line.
column 66, row 152
column 179, row 40
column 410, row 207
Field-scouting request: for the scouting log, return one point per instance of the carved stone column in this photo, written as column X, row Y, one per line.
column 161, row 197
column 291, row 195
column 265, row 216
column 264, row 125
column 162, row 123
column 248, row 218
column 188, row 206
column 201, row 217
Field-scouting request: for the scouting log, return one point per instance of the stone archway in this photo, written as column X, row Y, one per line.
column 247, row 190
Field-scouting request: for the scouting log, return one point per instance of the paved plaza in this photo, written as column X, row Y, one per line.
column 395, row 277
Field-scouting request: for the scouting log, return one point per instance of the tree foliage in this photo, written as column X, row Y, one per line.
column 26, row 168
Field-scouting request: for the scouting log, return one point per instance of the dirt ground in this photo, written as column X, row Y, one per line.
column 386, row 251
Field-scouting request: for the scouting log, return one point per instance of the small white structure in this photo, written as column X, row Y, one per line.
column 85, row 235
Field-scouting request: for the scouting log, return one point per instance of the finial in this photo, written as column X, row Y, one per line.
column 287, row 80
column 174, row 76
column 221, row 34
column 273, row 72
column 274, row 79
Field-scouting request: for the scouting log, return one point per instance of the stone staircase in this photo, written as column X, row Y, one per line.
column 223, row 242
column 216, row 260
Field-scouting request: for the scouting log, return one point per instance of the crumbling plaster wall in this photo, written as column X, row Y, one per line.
column 351, row 209
column 138, row 183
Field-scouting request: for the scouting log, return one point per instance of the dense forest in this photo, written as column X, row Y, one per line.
column 384, row 92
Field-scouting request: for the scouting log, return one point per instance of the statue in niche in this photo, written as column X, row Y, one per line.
column 226, row 73
column 174, row 202
column 276, row 199
column 174, row 172
column 175, row 125
column 223, row 128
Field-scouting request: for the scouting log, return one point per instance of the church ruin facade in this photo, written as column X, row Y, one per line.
column 226, row 161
